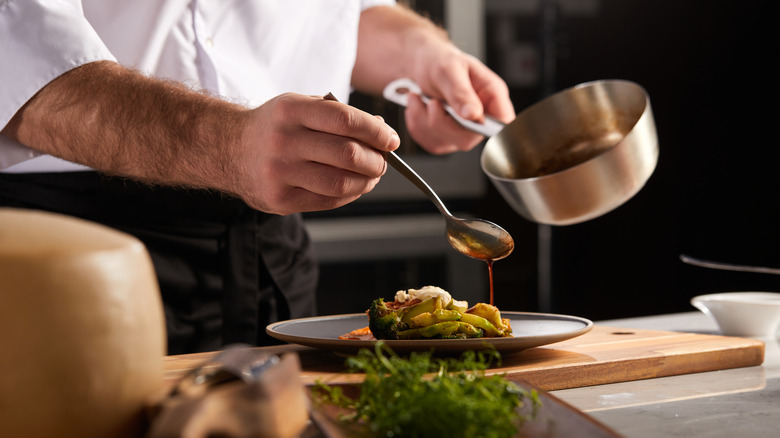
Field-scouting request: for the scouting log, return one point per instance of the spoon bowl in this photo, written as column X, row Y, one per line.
column 479, row 239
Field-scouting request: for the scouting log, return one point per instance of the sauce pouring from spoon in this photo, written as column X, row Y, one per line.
column 475, row 238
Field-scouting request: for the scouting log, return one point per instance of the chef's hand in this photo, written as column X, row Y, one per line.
column 448, row 75
column 305, row 153
column 396, row 42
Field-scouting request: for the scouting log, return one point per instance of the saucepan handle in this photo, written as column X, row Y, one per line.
column 397, row 92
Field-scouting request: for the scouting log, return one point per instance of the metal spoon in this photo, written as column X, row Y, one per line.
column 728, row 266
column 476, row 238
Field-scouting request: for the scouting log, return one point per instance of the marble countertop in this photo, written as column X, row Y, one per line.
column 743, row 402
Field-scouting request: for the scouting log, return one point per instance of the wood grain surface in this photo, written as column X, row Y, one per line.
column 604, row 355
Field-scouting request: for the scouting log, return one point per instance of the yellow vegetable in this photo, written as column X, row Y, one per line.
column 491, row 313
column 460, row 306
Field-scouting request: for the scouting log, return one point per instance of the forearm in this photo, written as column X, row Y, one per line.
column 389, row 39
column 118, row 121
column 294, row 153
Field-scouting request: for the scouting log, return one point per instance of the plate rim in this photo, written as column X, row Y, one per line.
column 502, row 344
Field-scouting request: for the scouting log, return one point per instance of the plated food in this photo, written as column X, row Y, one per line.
column 430, row 313
column 528, row 330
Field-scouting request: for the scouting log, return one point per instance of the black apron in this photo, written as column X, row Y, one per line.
column 225, row 270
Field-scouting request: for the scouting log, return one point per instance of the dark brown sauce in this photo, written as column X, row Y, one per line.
column 574, row 152
column 490, row 274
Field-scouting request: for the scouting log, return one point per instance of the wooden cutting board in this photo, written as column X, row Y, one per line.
column 611, row 355
column 603, row 355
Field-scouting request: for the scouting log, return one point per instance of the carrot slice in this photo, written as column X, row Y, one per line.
column 361, row 334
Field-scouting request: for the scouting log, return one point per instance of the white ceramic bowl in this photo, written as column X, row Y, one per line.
column 752, row 314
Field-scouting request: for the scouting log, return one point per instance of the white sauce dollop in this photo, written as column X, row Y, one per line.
column 425, row 293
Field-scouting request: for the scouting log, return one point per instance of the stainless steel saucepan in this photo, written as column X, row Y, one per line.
column 571, row 157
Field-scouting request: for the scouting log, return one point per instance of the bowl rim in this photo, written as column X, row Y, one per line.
column 745, row 297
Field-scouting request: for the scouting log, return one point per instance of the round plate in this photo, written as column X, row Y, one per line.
column 529, row 330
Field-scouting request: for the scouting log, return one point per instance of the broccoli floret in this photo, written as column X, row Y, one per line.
column 383, row 321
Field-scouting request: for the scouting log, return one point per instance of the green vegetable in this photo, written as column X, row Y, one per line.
column 424, row 319
column 480, row 322
column 446, row 315
column 445, row 329
column 383, row 321
column 428, row 306
column 438, row 315
column 439, row 329
column 466, row 330
column 429, row 319
column 422, row 396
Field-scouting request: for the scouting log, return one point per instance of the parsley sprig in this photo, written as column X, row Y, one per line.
column 426, row 396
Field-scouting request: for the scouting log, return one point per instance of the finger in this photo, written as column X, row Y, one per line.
column 301, row 200
column 329, row 181
column 493, row 93
column 456, row 89
column 308, row 187
column 435, row 130
column 340, row 152
column 448, row 130
column 346, row 121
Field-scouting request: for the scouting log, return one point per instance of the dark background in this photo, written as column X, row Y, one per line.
column 706, row 68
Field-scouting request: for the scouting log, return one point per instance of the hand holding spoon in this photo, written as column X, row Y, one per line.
column 476, row 238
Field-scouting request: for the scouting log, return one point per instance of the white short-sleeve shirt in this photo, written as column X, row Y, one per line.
column 246, row 51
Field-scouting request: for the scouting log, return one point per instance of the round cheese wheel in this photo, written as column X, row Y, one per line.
column 82, row 328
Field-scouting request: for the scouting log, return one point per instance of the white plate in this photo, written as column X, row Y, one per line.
column 529, row 330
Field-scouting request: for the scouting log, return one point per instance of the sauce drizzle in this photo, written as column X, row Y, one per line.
column 490, row 274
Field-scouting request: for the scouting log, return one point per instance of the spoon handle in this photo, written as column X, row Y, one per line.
column 398, row 90
column 404, row 169
column 728, row 266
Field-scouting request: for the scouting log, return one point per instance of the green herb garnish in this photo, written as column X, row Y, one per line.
column 423, row 396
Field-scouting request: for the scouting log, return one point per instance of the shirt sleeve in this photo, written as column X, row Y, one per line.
column 39, row 41
column 365, row 4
